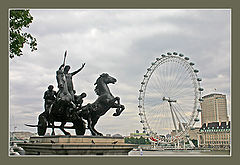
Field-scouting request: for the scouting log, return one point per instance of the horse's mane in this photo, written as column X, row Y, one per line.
column 96, row 90
column 97, row 83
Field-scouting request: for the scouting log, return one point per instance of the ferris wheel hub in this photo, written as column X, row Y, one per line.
column 168, row 99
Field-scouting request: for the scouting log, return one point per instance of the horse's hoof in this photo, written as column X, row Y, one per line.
column 115, row 114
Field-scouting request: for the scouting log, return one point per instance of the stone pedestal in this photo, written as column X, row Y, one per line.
column 76, row 145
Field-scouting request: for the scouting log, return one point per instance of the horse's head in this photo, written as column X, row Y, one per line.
column 106, row 79
column 102, row 81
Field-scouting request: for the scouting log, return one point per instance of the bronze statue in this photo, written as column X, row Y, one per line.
column 64, row 80
column 78, row 99
column 49, row 97
column 69, row 78
column 105, row 101
column 67, row 107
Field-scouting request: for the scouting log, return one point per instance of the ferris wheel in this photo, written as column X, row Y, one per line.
column 169, row 98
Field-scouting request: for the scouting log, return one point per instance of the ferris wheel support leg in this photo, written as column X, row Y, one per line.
column 174, row 121
column 181, row 125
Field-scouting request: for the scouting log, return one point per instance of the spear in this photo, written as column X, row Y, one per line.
column 65, row 55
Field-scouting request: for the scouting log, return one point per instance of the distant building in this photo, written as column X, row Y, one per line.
column 214, row 135
column 21, row 135
column 138, row 134
column 117, row 135
column 214, row 108
column 193, row 133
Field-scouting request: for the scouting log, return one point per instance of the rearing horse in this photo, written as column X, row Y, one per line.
column 105, row 101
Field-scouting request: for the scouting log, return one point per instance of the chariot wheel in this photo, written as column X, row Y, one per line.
column 42, row 125
column 169, row 98
column 79, row 126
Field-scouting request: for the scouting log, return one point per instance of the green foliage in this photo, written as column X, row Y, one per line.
column 20, row 19
column 140, row 140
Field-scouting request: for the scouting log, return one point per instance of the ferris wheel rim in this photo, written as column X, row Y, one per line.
column 144, row 84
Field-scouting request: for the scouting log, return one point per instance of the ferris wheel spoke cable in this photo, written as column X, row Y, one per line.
column 166, row 118
column 151, row 115
column 164, row 80
column 156, row 118
column 180, row 108
column 181, row 83
column 182, row 91
column 185, row 118
column 175, row 75
column 167, row 70
column 167, row 125
column 161, row 81
column 183, row 73
column 155, row 84
column 176, row 67
column 180, row 69
column 151, row 104
column 178, row 85
column 157, row 123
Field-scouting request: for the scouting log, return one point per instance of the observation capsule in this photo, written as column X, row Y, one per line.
column 191, row 63
column 196, row 71
column 199, row 79
column 196, row 119
column 200, row 89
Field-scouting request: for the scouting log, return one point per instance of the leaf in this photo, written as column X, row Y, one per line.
column 20, row 19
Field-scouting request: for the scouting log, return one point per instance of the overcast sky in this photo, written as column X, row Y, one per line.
column 122, row 43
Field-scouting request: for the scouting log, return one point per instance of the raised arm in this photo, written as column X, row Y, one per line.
column 75, row 72
column 61, row 67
